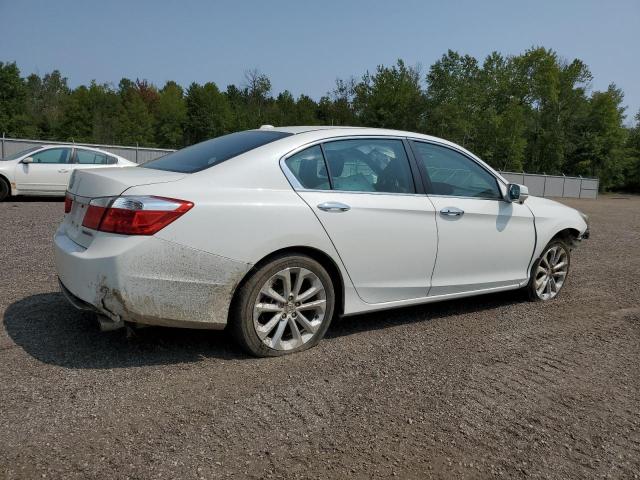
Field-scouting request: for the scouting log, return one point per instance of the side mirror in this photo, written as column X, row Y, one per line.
column 27, row 160
column 517, row 193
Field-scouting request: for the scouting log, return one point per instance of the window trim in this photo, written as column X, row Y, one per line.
column 297, row 186
column 427, row 179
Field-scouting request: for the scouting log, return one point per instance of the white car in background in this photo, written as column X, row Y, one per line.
column 273, row 231
column 46, row 169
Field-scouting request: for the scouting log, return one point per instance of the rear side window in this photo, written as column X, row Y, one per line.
column 309, row 169
column 212, row 152
column 88, row 157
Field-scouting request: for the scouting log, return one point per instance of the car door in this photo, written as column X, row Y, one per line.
column 362, row 191
column 484, row 241
column 48, row 173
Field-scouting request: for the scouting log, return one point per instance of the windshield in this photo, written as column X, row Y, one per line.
column 21, row 153
column 212, row 152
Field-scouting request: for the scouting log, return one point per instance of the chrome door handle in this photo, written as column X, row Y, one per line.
column 64, row 170
column 451, row 212
column 334, row 207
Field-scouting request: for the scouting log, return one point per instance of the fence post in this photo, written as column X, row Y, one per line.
column 544, row 184
column 580, row 191
column 136, row 152
column 2, row 145
column 564, row 179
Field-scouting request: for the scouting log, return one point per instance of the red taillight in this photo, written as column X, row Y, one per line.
column 134, row 215
column 68, row 202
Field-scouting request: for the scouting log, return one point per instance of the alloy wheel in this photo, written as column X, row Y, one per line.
column 289, row 308
column 551, row 272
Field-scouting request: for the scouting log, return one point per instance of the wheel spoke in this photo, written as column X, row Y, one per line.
column 268, row 307
column 277, row 337
column 295, row 332
column 285, row 275
column 271, row 293
column 306, row 324
column 308, row 293
column 553, row 286
column 264, row 330
column 302, row 274
column 314, row 304
column 559, row 266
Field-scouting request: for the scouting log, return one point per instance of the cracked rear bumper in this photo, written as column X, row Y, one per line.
column 147, row 280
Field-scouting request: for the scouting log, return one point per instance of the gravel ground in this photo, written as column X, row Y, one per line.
column 484, row 387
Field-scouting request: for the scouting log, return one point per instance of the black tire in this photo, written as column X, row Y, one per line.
column 532, row 292
column 5, row 189
column 241, row 321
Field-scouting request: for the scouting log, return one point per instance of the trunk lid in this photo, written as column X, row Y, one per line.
column 86, row 185
column 107, row 182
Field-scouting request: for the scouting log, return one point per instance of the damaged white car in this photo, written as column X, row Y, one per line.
column 273, row 232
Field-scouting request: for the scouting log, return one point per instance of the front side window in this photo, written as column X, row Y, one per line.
column 452, row 173
column 88, row 157
column 52, row 155
column 309, row 169
column 212, row 152
column 369, row 165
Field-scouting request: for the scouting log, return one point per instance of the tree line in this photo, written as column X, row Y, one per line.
column 532, row 112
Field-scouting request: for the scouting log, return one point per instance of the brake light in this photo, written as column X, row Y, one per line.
column 134, row 215
column 68, row 202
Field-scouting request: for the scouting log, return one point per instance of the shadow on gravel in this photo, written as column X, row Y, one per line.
column 52, row 331
column 426, row 312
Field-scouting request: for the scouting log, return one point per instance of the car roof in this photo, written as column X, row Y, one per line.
column 329, row 130
column 73, row 145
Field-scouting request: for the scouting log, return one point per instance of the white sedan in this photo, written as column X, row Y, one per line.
column 272, row 232
column 45, row 169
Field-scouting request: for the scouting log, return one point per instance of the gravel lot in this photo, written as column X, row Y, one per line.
column 475, row 388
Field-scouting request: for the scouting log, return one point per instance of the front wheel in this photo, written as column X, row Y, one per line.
column 285, row 306
column 550, row 271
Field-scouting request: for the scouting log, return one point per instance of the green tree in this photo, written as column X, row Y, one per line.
column 390, row 98
column 135, row 122
column 208, row 113
column 452, row 98
column 14, row 120
column 170, row 116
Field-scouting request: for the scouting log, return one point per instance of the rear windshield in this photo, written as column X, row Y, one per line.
column 211, row 152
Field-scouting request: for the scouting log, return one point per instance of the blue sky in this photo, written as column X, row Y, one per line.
column 304, row 46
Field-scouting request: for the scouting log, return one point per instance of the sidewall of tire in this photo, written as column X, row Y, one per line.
column 241, row 319
column 531, row 290
column 5, row 189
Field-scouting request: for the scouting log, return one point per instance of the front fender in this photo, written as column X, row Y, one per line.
column 552, row 217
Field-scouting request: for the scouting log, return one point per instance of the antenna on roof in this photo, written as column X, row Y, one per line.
column 266, row 127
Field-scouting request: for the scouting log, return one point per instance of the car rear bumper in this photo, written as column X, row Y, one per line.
column 147, row 280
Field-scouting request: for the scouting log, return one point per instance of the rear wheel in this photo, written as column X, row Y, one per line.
column 550, row 271
column 5, row 189
column 286, row 306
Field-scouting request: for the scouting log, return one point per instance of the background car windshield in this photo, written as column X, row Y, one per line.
column 211, row 152
column 21, row 153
